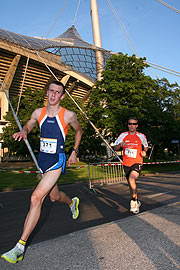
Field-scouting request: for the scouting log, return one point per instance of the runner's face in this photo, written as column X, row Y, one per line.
column 132, row 125
column 54, row 94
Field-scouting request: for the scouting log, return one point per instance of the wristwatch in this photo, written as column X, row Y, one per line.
column 76, row 150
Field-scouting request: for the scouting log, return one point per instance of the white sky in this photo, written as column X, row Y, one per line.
column 153, row 28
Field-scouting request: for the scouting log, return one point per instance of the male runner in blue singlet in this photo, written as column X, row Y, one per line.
column 54, row 122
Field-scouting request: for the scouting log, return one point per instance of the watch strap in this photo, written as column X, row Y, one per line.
column 76, row 150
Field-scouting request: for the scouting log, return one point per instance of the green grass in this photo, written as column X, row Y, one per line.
column 10, row 180
column 160, row 168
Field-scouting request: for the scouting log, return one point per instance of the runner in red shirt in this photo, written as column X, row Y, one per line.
column 134, row 146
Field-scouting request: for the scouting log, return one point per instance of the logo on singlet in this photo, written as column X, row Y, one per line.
column 50, row 121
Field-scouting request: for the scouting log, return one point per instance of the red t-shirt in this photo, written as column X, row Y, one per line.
column 133, row 148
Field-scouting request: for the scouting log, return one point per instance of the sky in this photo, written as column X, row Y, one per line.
column 153, row 28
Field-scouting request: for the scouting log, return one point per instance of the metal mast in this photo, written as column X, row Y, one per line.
column 98, row 54
column 97, row 37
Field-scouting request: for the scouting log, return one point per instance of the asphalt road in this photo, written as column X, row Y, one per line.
column 106, row 204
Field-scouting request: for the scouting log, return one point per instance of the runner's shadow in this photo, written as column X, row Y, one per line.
column 112, row 198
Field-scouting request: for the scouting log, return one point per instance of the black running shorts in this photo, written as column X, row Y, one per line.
column 135, row 167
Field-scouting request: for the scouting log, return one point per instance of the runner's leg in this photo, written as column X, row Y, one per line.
column 132, row 184
column 47, row 182
column 56, row 195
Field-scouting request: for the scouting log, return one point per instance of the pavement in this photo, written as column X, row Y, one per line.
column 106, row 236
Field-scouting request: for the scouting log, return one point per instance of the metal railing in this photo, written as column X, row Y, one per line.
column 105, row 173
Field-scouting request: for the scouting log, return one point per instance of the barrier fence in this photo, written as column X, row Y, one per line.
column 162, row 162
column 111, row 173
column 105, row 174
column 102, row 173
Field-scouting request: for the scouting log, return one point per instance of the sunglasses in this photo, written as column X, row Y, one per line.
column 134, row 124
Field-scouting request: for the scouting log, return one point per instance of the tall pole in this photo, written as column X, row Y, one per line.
column 97, row 38
column 98, row 43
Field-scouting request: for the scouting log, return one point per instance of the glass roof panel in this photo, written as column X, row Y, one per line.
column 69, row 46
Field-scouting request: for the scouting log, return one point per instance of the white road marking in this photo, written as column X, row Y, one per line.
column 157, row 194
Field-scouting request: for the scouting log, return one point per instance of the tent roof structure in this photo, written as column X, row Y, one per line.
column 70, row 38
column 72, row 49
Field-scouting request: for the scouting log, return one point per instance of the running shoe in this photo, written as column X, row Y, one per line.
column 74, row 208
column 134, row 206
column 13, row 256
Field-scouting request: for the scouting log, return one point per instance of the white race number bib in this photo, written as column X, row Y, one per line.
column 48, row 145
column 131, row 152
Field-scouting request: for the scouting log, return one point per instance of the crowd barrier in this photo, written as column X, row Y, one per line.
column 105, row 173
column 162, row 162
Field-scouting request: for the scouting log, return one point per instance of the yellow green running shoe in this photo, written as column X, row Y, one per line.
column 74, row 208
column 13, row 256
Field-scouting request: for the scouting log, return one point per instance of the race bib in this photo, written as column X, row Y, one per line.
column 48, row 145
column 131, row 152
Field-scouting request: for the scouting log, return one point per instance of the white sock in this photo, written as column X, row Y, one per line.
column 73, row 202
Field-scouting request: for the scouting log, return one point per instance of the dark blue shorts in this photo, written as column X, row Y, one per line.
column 48, row 162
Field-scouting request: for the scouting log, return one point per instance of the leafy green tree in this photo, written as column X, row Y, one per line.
column 120, row 93
column 126, row 91
column 161, row 117
column 30, row 101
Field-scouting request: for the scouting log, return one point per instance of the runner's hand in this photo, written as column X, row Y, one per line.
column 143, row 153
column 72, row 159
column 123, row 144
column 20, row 135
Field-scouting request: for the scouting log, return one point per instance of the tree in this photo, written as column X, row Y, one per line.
column 161, row 116
column 30, row 101
column 120, row 93
column 126, row 91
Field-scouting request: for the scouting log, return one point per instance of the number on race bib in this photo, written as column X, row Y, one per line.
column 48, row 145
column 131, row 152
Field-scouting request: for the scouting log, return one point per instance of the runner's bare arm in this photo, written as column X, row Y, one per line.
column 28, row 126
